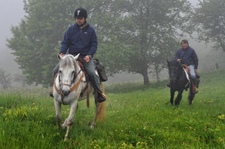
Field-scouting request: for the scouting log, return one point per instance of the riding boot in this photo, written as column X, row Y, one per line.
column 197, row 80
column 168, row 84
column 195, row 85
column 101, row 96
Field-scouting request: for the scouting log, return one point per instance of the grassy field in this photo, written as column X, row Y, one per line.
column 136, row 117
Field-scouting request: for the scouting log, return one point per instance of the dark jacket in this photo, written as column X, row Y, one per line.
column 187, row 56
column 83, row 41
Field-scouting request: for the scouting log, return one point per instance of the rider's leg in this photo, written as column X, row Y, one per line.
column 193, row 77
column 192, row 71
column 54, row 72
column 94, row 78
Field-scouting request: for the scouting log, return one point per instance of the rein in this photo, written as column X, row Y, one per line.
column 77, row 84
column 71, row 89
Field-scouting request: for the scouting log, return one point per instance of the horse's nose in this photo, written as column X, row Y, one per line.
column 66, row 92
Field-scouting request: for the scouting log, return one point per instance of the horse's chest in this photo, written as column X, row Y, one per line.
column 67, row 99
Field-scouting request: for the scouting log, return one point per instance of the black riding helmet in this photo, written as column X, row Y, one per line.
column 80, row 13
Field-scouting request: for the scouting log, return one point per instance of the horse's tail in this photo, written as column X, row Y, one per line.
column 101, row 107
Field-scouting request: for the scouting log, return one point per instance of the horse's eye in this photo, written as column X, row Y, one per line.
column 60, row 71
column 73, row 72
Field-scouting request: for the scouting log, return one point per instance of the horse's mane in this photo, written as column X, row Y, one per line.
column 175, row 63
column 67, row 60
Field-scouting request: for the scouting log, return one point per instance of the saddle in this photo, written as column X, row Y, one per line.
column 101, row 70
column 195, row 85
column 185, row 67
column 98, row 66
column 186, row 70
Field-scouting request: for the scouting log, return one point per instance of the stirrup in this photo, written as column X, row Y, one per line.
column 195, row 90
column 102, row 97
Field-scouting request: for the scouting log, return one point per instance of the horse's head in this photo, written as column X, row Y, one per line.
column 67, row 72
column 174, row 70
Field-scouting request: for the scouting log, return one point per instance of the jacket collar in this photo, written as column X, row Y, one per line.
column 83, row 26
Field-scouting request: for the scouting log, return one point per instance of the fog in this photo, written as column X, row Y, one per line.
column 11, row 13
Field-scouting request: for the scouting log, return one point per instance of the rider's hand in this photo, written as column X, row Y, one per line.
column 179, row 60
column 195, row 71
column 87, row 58
column 60, row 55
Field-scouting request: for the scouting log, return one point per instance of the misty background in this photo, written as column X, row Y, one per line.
column 11, row 13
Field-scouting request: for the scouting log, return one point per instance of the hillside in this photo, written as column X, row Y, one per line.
column 136, row 117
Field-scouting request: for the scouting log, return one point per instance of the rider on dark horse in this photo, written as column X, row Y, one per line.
column 81, row 38
column 186, row 55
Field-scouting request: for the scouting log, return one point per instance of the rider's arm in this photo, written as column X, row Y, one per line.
column 177, row 56
column 195, row 59
column 65, row 42
column 93, row 44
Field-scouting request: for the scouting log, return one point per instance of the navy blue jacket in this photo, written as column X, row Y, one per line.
column 187, row 56
column 79, row 41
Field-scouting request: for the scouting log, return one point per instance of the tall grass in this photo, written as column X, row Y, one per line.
column 136, row 117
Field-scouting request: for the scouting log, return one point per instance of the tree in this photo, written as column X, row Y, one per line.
column 5, row 79
column 36, row 41
column 125, row 42
column 148, row 30
column 209, row 19
column 20, row 78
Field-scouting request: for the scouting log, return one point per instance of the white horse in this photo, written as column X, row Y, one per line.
column 69, row 84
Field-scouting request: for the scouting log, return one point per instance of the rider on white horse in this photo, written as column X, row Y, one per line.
column 81, row 38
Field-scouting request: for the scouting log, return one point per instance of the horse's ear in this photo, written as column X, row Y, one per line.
column 168, row 62
column 76, row 56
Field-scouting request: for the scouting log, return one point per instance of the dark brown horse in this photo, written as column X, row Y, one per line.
column 179, row 82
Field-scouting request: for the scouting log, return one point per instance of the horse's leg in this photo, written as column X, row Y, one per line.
column 99, row 110
column 191, row 94
column 179, row 97
column 171, row 96
column 99, row 113
column 58, row 110
column 69, row 121
column 96, row 113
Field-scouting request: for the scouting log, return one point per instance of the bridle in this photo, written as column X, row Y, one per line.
column 66, row 84
column 173, row 75
column 74, row 87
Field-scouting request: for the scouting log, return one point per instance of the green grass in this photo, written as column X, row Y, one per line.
column 136, row 117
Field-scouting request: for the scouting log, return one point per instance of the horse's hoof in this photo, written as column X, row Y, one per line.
column 92, row 126
column 66, row 139
column 63, row 126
